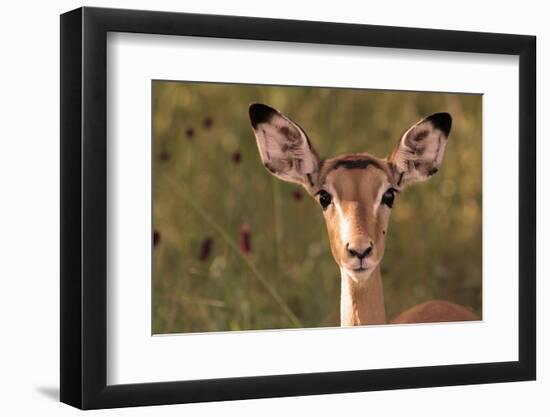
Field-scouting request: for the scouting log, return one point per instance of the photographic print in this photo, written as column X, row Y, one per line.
column 293, row 212
column 284, row 207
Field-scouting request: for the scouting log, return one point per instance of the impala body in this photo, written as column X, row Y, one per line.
column 356, row 193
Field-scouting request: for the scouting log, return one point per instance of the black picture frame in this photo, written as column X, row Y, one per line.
column 84, row 207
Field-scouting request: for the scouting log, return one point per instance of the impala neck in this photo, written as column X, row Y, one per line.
column 362, row 302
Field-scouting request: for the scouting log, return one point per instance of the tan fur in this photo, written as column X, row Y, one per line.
column 356, row 219
column 355, row 192
column 362, row 302
column 435, row 311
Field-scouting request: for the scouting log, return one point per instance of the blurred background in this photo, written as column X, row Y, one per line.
column 234, row 248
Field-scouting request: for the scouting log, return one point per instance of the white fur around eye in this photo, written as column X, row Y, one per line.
column 344, row 225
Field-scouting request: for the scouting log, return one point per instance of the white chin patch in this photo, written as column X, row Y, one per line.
column 359, row 275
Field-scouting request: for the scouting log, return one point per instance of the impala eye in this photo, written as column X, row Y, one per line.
column 388, row 197
column 324, row 199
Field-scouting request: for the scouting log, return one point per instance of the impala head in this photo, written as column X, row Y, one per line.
column 355, row 191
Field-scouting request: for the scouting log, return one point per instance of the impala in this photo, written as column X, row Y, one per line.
column 356, row 193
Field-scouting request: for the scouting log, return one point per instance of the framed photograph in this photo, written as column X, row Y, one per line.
column 258, row 208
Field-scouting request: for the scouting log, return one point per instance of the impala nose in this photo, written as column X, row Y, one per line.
column 359, row 251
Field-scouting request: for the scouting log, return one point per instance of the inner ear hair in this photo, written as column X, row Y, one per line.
column 419, row 153
column 284, row 147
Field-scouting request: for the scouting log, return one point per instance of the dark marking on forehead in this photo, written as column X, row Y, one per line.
column 356, row 161
column 356, row 164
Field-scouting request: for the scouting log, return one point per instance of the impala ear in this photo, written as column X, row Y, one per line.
column 419, row 153
column 284, row 147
